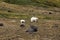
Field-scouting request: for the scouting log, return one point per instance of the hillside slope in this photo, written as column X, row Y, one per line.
column 12, row 10
column 43, row 3
column 48, row 23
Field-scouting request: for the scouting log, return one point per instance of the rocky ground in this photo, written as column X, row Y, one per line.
column 47, row 30
column 48, row 23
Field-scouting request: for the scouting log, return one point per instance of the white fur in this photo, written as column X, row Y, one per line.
column 34, row 19
column 22, row 21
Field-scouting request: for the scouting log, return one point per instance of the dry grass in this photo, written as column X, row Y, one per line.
column 13, row 31
column 46, row 23
column 20, row 11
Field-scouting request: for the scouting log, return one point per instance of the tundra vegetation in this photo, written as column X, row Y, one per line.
column 47, row 12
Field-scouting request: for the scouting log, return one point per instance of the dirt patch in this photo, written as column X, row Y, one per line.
column 46, row 31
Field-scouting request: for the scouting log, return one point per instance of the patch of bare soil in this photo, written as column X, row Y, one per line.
column 47, row 30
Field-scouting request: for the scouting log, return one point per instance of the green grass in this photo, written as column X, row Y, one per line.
column 12, row 16
column 43, row 3
column 28, row 16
